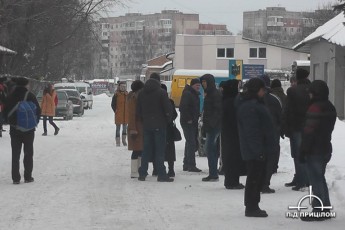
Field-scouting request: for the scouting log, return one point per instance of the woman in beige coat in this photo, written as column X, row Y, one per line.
column 135, row 128
column 48, row 105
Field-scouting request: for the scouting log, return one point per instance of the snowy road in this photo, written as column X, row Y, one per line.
column 82, row 182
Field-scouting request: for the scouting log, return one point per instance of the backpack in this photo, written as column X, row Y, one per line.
column 26, row 114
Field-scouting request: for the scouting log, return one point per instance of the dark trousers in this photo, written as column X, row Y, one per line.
column 50, row 119
column 136, row 155
column 154, row 143
column 118, row 128
column 271, row 164
column 301, row 177
column 211, row 147
column 255, row 176
column 190, row 134
column 316, row 168
column 18, row 139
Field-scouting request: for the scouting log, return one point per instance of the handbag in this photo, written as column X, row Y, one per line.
column 177, row 133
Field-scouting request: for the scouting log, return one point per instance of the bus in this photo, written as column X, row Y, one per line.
column 182, row 77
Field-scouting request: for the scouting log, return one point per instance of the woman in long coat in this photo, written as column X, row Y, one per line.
column 118, row 104
column 48, row 105
column 233, row 165
column 135, row 128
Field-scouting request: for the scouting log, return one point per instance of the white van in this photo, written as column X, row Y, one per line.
column 86, row 92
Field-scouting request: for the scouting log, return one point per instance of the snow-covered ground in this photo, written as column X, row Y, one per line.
column 82, row 182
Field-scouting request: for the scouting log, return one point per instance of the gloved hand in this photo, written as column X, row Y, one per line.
column 133, row 133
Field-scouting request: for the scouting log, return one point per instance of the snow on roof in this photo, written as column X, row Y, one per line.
column 6, row 50
column 332, row 31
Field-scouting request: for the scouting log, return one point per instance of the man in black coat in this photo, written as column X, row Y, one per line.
column 274, row 106
column 18, row 137
column 256, row 134
column 212, row 117
column 316, row 146
column 155, row 110
column 190, row 112
column 232, row 163
column 297, row 102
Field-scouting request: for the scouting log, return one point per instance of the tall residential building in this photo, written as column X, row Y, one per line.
column 278, row 26
column 129, row 41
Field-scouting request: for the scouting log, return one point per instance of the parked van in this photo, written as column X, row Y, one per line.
column 182, row 77
column 85, row 91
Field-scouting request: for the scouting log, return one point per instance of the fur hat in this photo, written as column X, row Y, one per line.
column 155, row 76
column 137, row 85
column 21, row 81
column 301, row 74
column 276, row 83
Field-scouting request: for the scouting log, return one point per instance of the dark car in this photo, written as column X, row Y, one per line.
column 74, row 96
column 64, row 107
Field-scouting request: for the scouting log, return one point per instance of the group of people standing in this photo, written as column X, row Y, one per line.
column 245, row 127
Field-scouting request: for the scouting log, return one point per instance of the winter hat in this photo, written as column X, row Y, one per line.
column 194, row 81
column 319, row 90
column 301, row 74
column 163, row 86
column 253, row 86
column 155, row 76
column 276, row 84
column 266, row 79
column 21, row 81
column 137, row 85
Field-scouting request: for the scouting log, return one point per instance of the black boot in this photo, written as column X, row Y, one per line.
column 171, row 172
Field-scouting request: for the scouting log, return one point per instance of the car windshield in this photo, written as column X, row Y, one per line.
column 72, row 93
column 61, row 96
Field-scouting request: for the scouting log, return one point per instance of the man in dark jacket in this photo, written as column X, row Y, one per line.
column 212, row 116
column 232, row 163
column 190, row 111
column 257, row 141
column 274, row 106
column 155, row 110
column 297, row 102
column 316, row 146
column 19, row 138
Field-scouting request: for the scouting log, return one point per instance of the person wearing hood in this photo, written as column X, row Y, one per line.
column 297, row 102
column 233, row 165
column 118, row 104
column 155, row 111
column 18, row 137
column 257, row 141
column 274, row 106
column 316, row 146
column 189, row 117
column 135, row 128
column 212, row 117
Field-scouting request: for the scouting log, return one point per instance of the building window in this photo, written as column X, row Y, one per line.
column 291, row 30
column 253, row 52
column 225, row 53
column 257, row 53
column 262, row 52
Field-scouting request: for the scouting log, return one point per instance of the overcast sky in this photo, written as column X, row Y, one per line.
column 229, row 12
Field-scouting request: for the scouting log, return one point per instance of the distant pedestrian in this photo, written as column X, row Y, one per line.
column 18, row 137
column 189, row 117
column 316, row 146
column 233, row 165
column 297, row 102
column 48, row 105
column 212, row 117
column 118, row 104
column 155, row 111
column 256, row 134
column 135, row 128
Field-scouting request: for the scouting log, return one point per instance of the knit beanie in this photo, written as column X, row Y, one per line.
column 194, row 81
